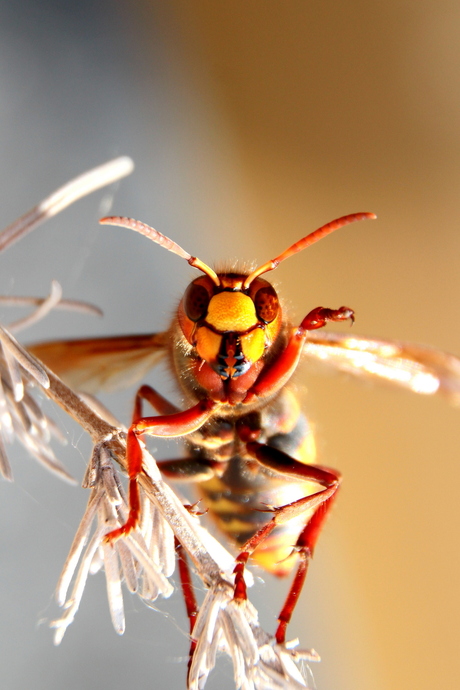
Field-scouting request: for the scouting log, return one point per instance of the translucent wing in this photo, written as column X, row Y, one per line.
column 102, row 363
column 417, row 368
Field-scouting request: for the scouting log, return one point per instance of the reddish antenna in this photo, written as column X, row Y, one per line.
column 306, row 242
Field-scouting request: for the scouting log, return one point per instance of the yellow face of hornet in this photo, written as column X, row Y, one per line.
column 230, row 327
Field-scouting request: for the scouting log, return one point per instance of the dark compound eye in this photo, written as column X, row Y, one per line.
column 266, row 304
column 196, row 300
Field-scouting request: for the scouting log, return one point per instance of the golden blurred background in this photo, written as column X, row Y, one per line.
column 251, row 124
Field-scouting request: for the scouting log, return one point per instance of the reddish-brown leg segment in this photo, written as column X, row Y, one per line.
column 180, row 469
column 167, row 426
column 319, row 317
column 157, row 401
column 274, row 377
column 308, row 536
column 189, row 594
column 319, row 502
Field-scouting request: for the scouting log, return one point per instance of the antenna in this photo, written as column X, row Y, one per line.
column 306, row 242
column 163, row 241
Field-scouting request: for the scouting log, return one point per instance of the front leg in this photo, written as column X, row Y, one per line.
column 319, row 317
column 166, row 426
column 274, row 377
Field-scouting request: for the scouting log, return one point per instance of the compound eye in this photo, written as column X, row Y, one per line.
column 196, row 301
column 266, row 303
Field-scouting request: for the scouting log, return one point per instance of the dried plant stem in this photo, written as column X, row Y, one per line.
column 95, row 426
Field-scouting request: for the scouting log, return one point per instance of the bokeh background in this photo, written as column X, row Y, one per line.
column 251, row 123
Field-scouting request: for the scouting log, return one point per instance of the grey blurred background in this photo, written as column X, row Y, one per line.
column 250, row 125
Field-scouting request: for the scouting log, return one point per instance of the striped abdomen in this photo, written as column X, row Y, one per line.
column 237, row 496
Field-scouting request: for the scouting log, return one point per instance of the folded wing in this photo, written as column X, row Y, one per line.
column 96, row 364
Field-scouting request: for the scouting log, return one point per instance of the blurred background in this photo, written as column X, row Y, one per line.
column 251, row 124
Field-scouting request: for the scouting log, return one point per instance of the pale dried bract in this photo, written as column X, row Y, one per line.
column 20, row 415
column 229, row 626
column 144, row 559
